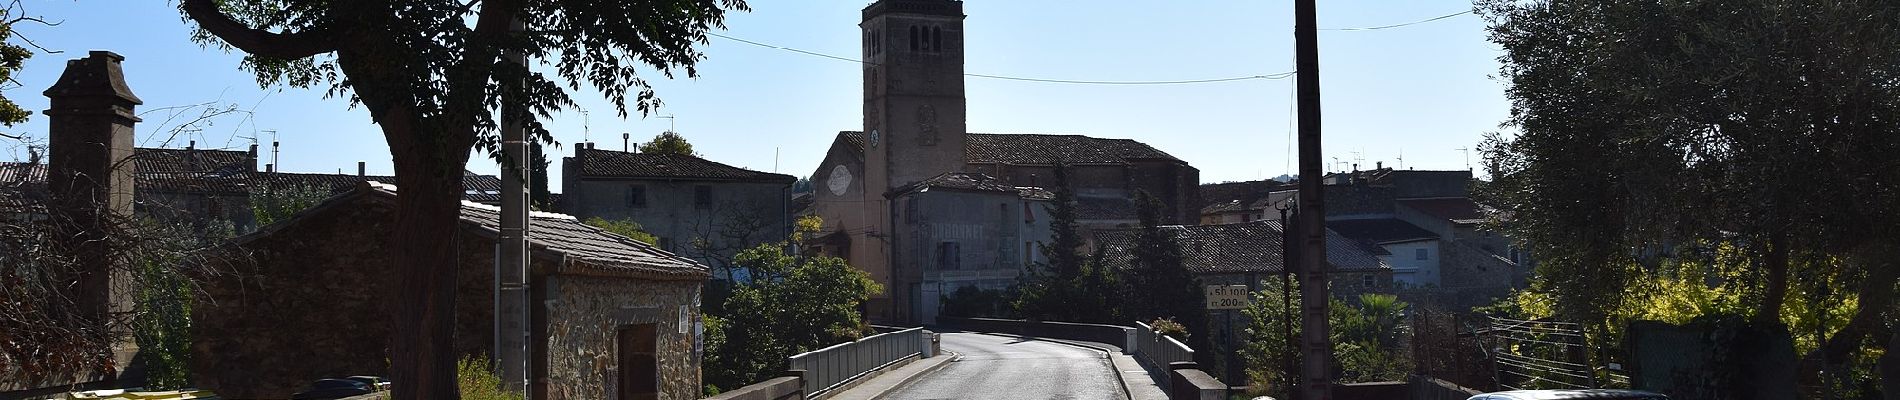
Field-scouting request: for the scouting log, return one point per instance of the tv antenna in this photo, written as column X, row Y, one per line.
column 669, row 123
column 1467, row 151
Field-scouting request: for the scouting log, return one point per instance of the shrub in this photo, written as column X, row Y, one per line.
column 479, row 381
column 1167, row 327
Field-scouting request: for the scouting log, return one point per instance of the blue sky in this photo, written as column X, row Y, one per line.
column 1424, row 90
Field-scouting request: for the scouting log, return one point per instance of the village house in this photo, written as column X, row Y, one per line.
column 696, row 207
column 959, row 242
column 615, row 318
column 915, row 130
column 1424, row 224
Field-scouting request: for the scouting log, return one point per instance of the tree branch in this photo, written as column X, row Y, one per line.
column 285, row 46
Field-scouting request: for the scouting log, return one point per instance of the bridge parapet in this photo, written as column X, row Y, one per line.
column 831, row 369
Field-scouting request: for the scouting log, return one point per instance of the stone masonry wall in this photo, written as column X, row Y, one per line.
column 584, row 314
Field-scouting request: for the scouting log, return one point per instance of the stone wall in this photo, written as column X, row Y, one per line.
column 585, row 313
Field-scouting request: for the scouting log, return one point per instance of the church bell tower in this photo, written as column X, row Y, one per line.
column 913, row 90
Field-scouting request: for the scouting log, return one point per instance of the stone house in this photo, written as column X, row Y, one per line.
column 698, row 208
column 948, row 228
column 915, row 129
column 615, row 318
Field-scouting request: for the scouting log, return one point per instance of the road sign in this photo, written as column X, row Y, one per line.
column 1226, row 297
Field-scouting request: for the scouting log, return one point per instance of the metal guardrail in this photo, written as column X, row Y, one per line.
column 827, row 368
column 1159, row 350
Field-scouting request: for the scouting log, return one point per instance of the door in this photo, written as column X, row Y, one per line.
column 639, row 362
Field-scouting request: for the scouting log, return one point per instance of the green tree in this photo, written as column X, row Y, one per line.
column 1272, row 337
column 794, row 303
column 538, row 194
column 668, row 142
column 1159, row 285
column 431, row 74
column 12, row 58
column 272, row 204
column 1066, row 285
column 1765, row 126
column 1368, row 339
column 623, row 227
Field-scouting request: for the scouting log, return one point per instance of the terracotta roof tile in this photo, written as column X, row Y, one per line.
column 1380, row 231
column 609, row 163
column 1037, row 149
column 1236, row 248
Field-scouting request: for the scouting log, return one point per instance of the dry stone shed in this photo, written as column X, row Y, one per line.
column 307, row 298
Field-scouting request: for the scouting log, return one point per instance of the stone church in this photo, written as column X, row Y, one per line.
column 872, row 184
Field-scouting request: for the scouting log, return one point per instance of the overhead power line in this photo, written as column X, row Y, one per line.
column 1374, row 28
column 1279, row 75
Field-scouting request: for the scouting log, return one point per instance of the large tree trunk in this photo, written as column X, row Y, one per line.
column 429, row 195
column 1876, row 297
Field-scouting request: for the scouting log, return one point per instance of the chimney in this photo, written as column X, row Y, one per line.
column 253, row 157
column 361, row 168
column 191, row 145
column 1378, row 165
column 270, row 167
column 626, row 142
column 89, row 135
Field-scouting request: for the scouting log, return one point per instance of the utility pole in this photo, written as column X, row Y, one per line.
column 511, row 253
column 1317, row 349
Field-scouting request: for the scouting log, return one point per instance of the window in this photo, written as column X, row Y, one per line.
column 936, row 39
column 702, row 197
column 1029, row 215
column 1029, row 254
column 637, row 196
column 913, row 38
column 1365, row 280
column 1423, row 254
column 639, row 361
column 947, row 256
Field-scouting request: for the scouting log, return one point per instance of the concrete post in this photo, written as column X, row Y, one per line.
column 511, row 267
column 90, row 176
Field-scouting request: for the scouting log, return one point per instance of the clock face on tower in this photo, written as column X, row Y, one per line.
column 839, row 181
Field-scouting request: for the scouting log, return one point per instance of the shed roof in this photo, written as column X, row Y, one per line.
column 584, row 249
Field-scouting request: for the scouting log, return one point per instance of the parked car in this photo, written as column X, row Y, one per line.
column 332, row 389
column 375, row 382
column 1592, row 394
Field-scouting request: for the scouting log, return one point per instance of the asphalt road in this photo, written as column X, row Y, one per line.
column 1002, row 367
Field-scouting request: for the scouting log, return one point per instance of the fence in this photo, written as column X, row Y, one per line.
column 827, row 368
column 1541, row 355
column 1159, row 350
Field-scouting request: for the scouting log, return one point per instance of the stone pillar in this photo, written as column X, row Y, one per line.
column 90, row 178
